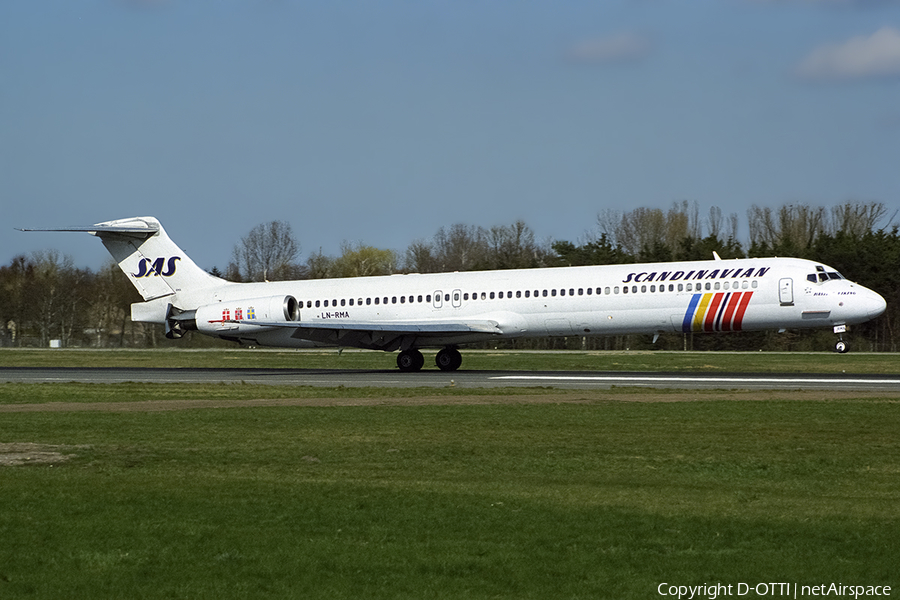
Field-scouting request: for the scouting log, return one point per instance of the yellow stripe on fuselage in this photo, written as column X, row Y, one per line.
column 700, row 315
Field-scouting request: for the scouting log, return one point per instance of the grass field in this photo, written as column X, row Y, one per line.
column 497, row 494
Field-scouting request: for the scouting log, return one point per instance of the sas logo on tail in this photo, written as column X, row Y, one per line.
column 716, row 312
column 160, row 266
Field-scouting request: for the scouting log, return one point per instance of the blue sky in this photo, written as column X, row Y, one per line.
column 379, row 122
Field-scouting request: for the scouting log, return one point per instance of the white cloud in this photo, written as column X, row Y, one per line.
column 619, row 48
column 860, row 57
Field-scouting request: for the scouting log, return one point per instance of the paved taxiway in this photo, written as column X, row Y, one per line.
column 462, row 379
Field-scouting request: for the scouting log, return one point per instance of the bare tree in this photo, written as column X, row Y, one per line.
column 792, row 228
column 714, row 224
column 47, row 292
column 858, row 218
column 642, row 228
column 514, row 247
column 461, row 248
column 420, row 258
column 267, row 253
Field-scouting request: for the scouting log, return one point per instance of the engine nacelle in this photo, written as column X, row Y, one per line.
column 237, row 316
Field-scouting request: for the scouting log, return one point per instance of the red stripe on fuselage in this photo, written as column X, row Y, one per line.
column 710, row 324
column 729, row 310
column 742, row 308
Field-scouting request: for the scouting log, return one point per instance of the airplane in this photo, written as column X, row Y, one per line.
column 406, row 313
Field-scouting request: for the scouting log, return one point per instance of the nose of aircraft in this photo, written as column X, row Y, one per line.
column 875, row 304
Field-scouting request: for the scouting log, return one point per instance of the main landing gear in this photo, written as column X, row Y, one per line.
column 410, row 360
column 448, row 359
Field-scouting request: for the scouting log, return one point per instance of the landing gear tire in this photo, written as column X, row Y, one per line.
column 448, row 359
column 410, row 360
column 841, row 347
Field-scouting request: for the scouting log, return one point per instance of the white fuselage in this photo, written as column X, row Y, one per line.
column 697, row 296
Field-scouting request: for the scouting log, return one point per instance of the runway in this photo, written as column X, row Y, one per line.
column 461, row 379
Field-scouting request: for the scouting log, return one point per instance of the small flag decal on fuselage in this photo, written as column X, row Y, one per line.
column 716, row 312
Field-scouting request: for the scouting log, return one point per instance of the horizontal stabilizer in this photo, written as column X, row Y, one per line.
column 100, row 230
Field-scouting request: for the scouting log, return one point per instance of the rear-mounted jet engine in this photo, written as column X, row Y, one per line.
column 237, row 316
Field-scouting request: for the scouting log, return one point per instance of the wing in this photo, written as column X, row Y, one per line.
column 385, row 335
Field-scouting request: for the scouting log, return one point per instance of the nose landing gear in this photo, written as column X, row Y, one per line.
column 841, row 347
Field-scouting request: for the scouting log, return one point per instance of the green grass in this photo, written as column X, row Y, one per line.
column 600, row 499
column 742, row 362
column 26, row 393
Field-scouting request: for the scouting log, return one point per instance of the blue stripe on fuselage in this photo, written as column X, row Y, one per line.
column 689, row 315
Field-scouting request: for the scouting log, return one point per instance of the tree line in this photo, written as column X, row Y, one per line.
column 45, row 299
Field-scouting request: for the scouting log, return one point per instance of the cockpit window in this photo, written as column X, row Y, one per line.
column 821, row 275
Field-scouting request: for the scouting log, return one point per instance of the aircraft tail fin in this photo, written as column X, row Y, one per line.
column 154, row 264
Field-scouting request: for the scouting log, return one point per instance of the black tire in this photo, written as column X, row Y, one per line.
column 448, row 359
column 841, row 347
column 410, row 360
